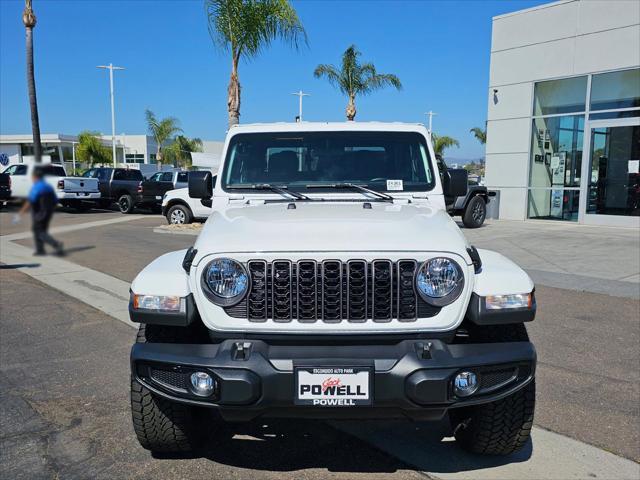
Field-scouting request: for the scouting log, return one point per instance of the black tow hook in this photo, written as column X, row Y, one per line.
column 424, row 350
column 241, row 350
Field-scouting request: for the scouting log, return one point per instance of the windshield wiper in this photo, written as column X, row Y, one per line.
column 354, row 186
column 267, row 186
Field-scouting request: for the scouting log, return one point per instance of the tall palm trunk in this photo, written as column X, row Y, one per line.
column 351, row 108
column 159, row 157
column 233, row 95
column 29, row 20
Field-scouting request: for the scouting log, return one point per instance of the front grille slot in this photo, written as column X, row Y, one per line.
column 332, row 291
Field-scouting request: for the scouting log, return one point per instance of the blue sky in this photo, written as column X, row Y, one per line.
column 440, row 51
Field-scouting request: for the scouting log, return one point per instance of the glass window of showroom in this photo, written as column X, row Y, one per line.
column 585, row 147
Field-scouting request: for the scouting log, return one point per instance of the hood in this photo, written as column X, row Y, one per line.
column 330, row 226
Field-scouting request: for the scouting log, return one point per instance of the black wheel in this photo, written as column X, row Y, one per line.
column 179, row 215
column 125, row 203
column 160, row 424
column 475, row 213
column 165, row 426
column 497, row 428
column 502, row 427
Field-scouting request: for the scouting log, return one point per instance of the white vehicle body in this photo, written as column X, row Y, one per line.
column 247, row 226
column 180, row 196
column 67, row 188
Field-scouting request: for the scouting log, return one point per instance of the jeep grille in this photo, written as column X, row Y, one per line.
column 332, row 291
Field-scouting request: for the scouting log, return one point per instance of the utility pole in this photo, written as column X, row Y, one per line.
column 111, row 68
column 300, row 94
column 430, row 114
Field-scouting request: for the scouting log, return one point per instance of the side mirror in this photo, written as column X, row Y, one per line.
column 200, row 185
column 455, row 182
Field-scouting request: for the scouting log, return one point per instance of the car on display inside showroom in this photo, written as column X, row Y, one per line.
column 330, row 282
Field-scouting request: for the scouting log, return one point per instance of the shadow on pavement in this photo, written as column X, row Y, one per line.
column 284, row 446
column 19, row 265
column 427, row 446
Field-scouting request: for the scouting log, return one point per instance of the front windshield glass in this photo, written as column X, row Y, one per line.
column 382, row 161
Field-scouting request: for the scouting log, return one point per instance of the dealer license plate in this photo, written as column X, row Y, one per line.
column 333, row 386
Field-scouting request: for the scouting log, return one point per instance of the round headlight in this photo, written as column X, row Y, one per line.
column 439, row 281
column 225, row 281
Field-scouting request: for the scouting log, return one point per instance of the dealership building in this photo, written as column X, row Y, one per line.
column 563, row 122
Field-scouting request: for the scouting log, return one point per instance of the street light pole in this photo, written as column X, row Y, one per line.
column 430, row 114
column 300, row 94
column 111, row 68
column 73, row 156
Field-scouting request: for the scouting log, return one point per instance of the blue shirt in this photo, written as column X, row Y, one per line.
column 39, row 189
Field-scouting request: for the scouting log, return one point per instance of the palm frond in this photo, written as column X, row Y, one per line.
column 480, row 134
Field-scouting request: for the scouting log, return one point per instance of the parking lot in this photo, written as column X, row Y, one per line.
column 64, row 367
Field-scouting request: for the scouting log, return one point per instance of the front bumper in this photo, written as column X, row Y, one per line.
column 256, row 378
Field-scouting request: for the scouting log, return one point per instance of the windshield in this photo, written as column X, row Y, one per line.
column 382, row 161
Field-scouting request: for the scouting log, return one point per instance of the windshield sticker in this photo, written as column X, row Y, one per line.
column 395, row 185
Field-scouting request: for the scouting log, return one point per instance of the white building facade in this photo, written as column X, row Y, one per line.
column 563, row 122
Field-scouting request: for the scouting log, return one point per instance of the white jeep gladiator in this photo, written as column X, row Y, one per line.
column 330, row 282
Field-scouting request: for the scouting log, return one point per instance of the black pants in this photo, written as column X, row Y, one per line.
column 41, row 235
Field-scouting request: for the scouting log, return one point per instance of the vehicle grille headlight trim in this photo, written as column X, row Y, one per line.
column 439, row 281
column 225, row 281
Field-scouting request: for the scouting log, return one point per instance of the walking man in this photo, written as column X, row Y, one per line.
column 42, row 201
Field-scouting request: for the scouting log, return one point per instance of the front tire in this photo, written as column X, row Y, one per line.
column 475, row 212
column 125, row 203
column 179, row 215
column 160, row 424
column 497, row 428
column 165, row 426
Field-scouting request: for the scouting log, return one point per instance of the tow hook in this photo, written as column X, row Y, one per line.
column 241, row 350
column 462, row 425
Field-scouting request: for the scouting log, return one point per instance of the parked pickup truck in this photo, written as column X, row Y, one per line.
column 76, row 192
column 179, row 208
column 330, row 282
column 152, row 190
column 119, row 185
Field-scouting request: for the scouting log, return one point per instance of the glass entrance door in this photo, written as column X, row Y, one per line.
column 613, row 180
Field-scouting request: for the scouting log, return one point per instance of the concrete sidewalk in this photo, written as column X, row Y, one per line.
column 564, row 255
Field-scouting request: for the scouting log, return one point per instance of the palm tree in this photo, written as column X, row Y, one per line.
column 245, row 27
column 354, row 78
column 29, row 20
column 480, row 134
column 440, row 144
column 91, row 150
column 161, row 130
column 180, row 150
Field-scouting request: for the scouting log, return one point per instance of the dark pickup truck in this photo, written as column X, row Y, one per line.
column 152, row 190
column 119, row 185
column 473, row 206
column 5, row 188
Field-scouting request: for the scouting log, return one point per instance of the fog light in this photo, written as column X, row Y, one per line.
column 202, row 384
column 465, row 384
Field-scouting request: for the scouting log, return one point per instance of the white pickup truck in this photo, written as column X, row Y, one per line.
column 329, row 281
column 76, row 192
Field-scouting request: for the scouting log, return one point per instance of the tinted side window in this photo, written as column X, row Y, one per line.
column 120, row 175
column 54, row 171
column 20, row 170
column 167, row 177
column 103, row 175
column 215, row 179
column 183, row 177
column 90, row 173
column 155, row 177
column 134, row 175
